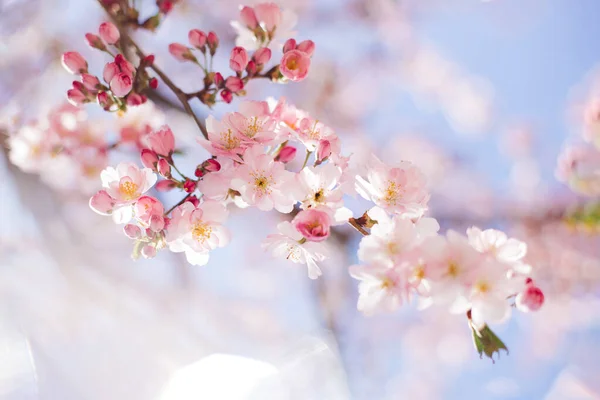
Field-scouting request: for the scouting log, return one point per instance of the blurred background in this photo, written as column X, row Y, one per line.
column 482, row 95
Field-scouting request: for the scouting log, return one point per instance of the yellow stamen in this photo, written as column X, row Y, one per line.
column 128, row 190
column 201, row 232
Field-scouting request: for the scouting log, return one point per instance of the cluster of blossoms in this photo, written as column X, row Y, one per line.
column 579, row 164
column 253, row 163
column 124, row 83
column 261, row 29
column 65, row 148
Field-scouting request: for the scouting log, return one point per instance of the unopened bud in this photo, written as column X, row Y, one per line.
column 287, row 154
column 163, row 167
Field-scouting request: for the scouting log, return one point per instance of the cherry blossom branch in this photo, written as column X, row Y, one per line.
column 356, row 225
column 180, row 202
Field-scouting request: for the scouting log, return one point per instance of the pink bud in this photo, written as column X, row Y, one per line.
column 109, row 32
column 290, row 44
column 197, row 39
column 79, row 86
column 307, row 46
column 90, row 82
column 153, row 83
column 181, row 52
column 262, row 56
column 294, row 65
column 234, row 84
column 251, row 68
column 213, row 42
column 132, row 231
column 269, row 14
column 102, row 203
column 313, row 224
column 194, row 200
column 104, row 99
column 163, row 167
column 287, row 154
column 238, row 59
column 323, row 151
column 121, row 84
column 149, row 159
column 162, row 141
column 149, row 60
column 74, row 63
column 248, row 17
column 135, row 99
column 110, row 70
column 76, row 97
column 148, row 251
column 218, row 79
column 226, row 96
column 165, row 6
column 211, row 165
column 189, row 185
column 124, row 66
column 530, row 299
column 94, row 41
column 199, row 172
column 165, row 185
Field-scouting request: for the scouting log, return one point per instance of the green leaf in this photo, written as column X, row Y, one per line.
column 486, row 342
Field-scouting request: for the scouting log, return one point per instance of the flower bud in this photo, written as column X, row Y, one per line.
column 94, row 41
column 530, row 299
column 286, row 154
column 157, row 223
column 238, row 59
column 323, row 151
column 104, row 100
column 165, row 185
column 226, row 96
column 149, row 159
column 135, row 99
column 251, row 68
column 294, row 65
column 149, row 60
column 110, row 70
column 90, row 82
column 102, row 203
column 76, row 97
column 313, row 224
column 189, row 186
column 153, row 83
column 213, row 42
column 218, row 79
column 148, row 251
column 307, row 46
column 262, row 55
column 194, row 200
column 197, row 39
column 121, row 84
column 248, row 17
column 74, row 63
column 165, row 6
column 109, row 32
column 199, row 172
column 289, row 44
column 162, row 141
column 211, row 165
column 234, row 84
column 124, row 66
column 181, row 52
column 132, row 231
column 163, row 167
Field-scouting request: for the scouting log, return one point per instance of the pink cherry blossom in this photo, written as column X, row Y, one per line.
column 508, row 251
column 400, row 189
column 197, row 230
column 294, row 65
column 102, row 203
column 127, row 182
column 263, row 182
column 162, row 141
column 313, row 224
column 132, row 231
column 109, row 32
column 380, row 289
column 74, row 63
column 253, row 122
column 306, row 46
column 149, row 212
column 288, row 244
column 319, row 187
column 264, row 25
column 238, row 59
column 223, row 140
column 268, row 14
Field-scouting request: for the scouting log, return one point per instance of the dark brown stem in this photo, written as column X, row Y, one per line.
column 357, row 226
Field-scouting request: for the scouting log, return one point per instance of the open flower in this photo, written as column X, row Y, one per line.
column 313, row 224
column 289, row 244
column 380, row 289
column 294, row 65
column 197, row 230
column 263, row 182
column 223, row 140
column 262, row 25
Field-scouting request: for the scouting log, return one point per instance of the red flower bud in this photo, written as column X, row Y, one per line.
column 153, row 83
column 189, row 185
column 211, row 165
column 234, row 84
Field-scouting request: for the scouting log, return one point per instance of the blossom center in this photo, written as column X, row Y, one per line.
column 229, row 140
column 387, row 283
column 482, row 287
column 201, row 231
column 453, row 269
column 319, row 196
column 252, row 128
column 392, row 193
column 128, row 190
column 262, row 182
column 292, row 64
